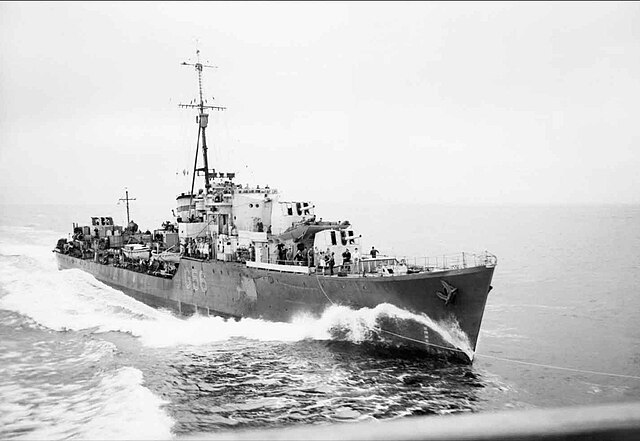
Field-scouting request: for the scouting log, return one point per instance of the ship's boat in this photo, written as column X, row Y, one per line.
column 136, row 251
column 244, row 251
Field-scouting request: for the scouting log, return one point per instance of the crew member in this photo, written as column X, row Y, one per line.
column 322, row 261
column 356, row 259
column 346, row 260
column 332, row 263
column 310, row 257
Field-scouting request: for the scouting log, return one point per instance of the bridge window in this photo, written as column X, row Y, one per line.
column 333, row 238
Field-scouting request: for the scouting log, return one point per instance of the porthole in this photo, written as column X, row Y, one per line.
column 257, row 205
column 250, row 205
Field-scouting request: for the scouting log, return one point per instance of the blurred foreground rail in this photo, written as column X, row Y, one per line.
column 602, row 422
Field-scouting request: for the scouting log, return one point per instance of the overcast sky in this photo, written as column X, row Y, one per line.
column 459, row 103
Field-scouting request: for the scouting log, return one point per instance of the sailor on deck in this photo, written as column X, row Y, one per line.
column 331, row 263
column 346, row 260
column 310, row 257
column 322, row 261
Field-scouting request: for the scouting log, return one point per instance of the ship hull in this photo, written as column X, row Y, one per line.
column 232, row 289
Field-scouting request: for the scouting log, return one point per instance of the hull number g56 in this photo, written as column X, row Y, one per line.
column 195, row 280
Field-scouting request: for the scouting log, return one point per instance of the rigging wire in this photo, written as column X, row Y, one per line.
column 323, row 291
column 548, row 366
column 195, row 165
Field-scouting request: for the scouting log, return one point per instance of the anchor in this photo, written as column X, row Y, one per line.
column 451, row 292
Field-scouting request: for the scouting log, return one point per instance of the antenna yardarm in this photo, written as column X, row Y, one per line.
column 127, row 199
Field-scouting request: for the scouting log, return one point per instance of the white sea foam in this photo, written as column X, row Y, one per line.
column 128, row 410
column 360, row 323
column 118, row 407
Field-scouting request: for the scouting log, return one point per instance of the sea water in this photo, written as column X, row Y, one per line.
column 80, row 360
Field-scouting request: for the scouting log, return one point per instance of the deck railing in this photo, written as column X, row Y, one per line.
column 388, row 265
column 450, row 261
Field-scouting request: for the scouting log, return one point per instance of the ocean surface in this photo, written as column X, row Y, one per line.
column 80, row 360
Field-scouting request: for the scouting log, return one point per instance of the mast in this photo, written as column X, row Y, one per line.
column 127, row 199
column 202, row 120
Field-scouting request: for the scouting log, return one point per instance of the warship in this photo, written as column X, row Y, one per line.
column 246, row 252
